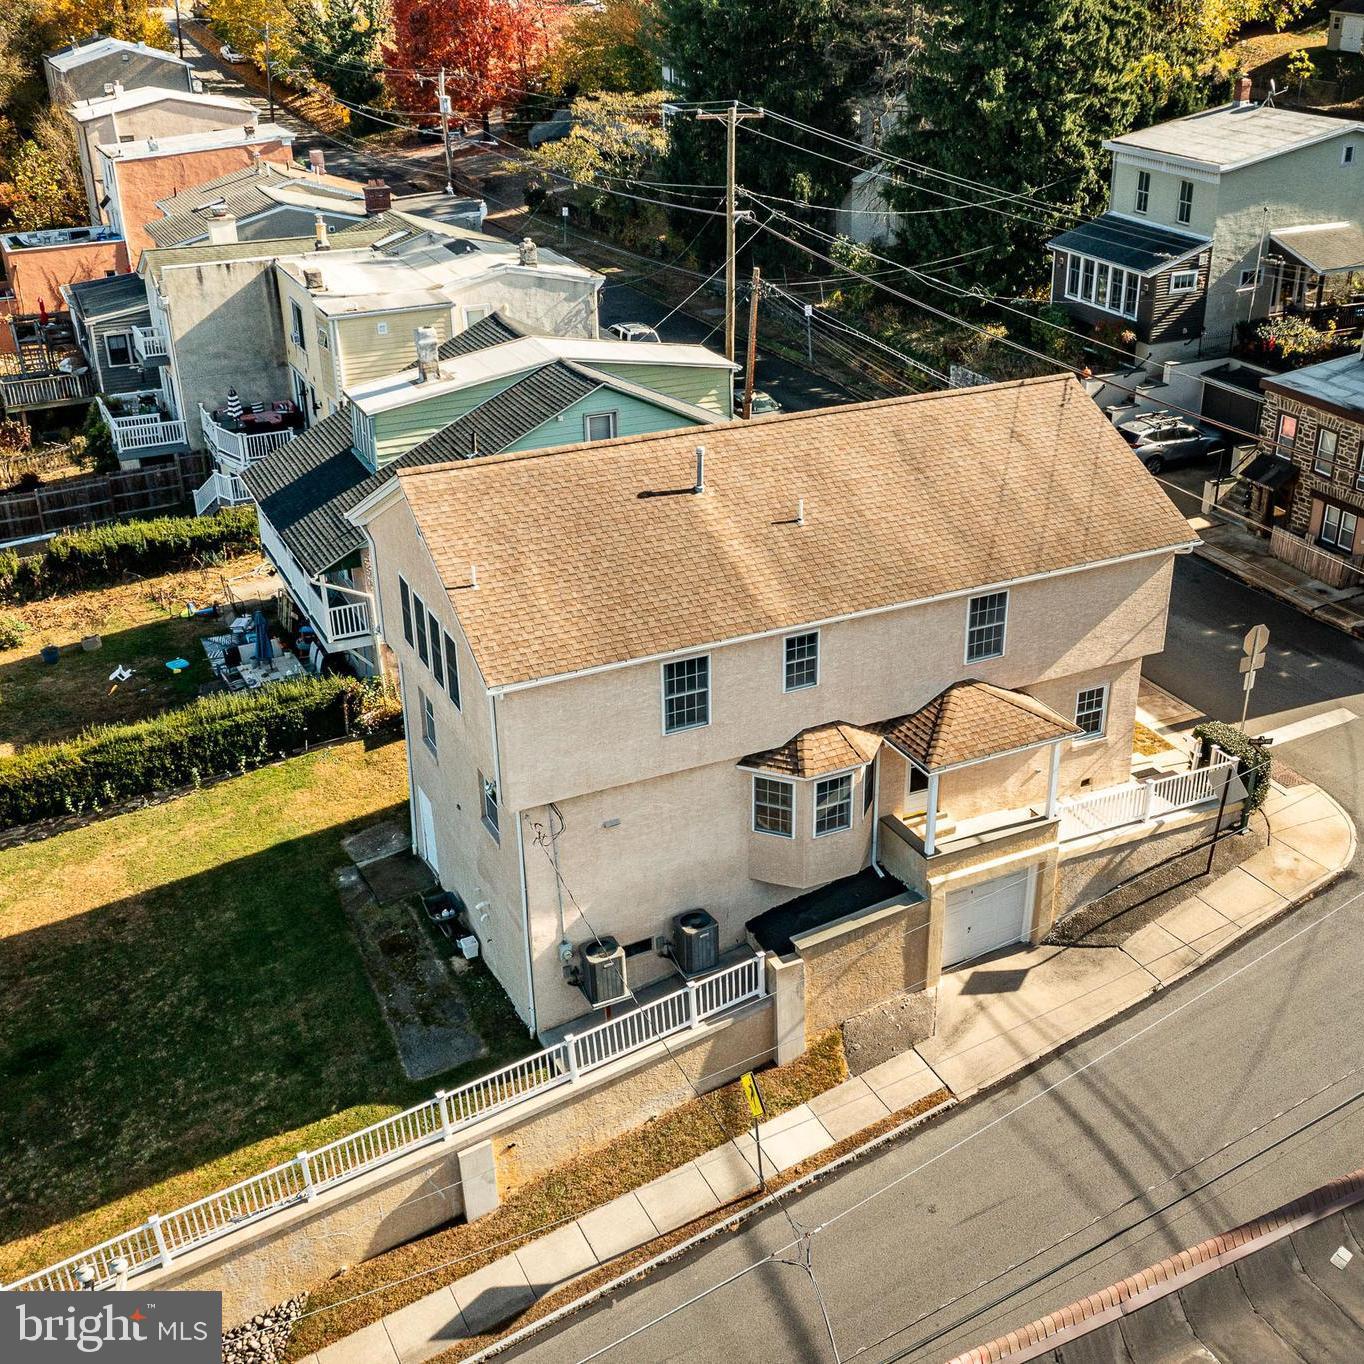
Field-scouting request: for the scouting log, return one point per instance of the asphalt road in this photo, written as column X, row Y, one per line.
column 1058, row 1184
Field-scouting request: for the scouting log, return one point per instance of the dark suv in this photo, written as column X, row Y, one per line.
column 1161, row 440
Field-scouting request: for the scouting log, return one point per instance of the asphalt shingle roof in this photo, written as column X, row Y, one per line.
column 1136, row 246
column 305, row 488
column 608, row 549
column 109, row 297
column 492, row 330
column 822, row 748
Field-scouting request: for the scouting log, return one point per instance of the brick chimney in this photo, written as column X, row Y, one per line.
column 378, row 197
column 1243, row 90
column 317, row 160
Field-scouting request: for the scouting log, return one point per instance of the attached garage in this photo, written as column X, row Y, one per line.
column 987, row 916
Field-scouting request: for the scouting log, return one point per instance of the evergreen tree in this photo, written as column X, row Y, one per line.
column 1018, row 95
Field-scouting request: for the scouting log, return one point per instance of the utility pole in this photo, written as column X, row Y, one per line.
column 754, row 288
column 269, row 75
column 443, row 102
column 179, row 32
column 731, row 118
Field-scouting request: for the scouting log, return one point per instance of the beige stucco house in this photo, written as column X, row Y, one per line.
column 788, row 671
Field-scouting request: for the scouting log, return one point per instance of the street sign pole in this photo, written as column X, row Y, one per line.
column 757, row 1108
column 1252, row 660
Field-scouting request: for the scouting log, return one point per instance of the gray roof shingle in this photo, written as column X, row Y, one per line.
column 305, row 488
column 1143, row 247
column 109, row 297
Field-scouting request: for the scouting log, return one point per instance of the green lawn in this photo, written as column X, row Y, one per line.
column 142, row 625
column 182, row 1004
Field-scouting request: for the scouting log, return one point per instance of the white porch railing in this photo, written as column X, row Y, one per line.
column 219, row 490
column 1137, row 802
column 18, row 393
column 348, row 619
column 149, row 344
column 159, row 1240
column 237, row 449
column 141, row 432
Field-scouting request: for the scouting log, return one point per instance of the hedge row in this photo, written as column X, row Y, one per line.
column 1254, row 759
column 207, row 738
column 87, row 558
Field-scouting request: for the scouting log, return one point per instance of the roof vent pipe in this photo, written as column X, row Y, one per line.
column 428, row 354
column 700, row 485
column 800, row 511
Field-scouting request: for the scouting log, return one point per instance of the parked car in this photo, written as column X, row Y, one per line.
column 1162, row 440
column 763, row 403
column 632, row 331
column 231, row 55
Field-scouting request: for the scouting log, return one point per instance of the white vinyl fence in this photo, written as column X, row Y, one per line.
column 1137, row 802
column 161, row 1239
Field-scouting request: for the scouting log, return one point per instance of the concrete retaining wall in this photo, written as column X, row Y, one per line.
column 421, row 1192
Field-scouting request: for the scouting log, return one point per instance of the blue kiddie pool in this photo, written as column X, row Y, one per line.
column 177, row 665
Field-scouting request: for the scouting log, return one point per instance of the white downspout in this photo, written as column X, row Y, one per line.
column 520, row 866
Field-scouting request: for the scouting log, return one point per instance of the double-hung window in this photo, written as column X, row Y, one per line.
column 833, row 804
column 419, row 621
column 802, row 661
column 599, row 426
column 986, row 618
column 1073, row 276
column 1185, row 211
column 451, row 672
column 1091, row 710
column 1142, row 200
column 686, row 694
column 405, row 595
column 1338, row 528
column 118, row 348
column 437, row 657
column 428, row 720
column 488, row 790
column 774, row 807
column 296, row 325
column 1324, row 461
column 1288, row 428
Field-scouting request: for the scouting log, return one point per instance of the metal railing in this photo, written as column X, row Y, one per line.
column 219, row 490
column 238, row 449
column 1138, row 802
column 161, row 1239
column 149, row 344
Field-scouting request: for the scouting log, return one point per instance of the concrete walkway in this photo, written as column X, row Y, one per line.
column 479, row 1302
column 994, row 1017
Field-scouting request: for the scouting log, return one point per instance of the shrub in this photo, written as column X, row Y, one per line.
column 208, row 738
column 1255, row 762
column 86, row 558
column 99, row 443
column 12, row 631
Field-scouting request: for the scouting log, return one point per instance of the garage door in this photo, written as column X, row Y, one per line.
column 986, row 916
column 1352, row 33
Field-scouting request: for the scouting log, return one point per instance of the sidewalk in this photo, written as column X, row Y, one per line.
column 994, row 1018
column 480, row 1302
column 1246, row 556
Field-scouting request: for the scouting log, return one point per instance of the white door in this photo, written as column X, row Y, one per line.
column 984, row 917
column 426, row 832
column 1352, row 33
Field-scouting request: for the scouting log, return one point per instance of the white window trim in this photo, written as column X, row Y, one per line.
column 614, row 417
column 1180, row 217
column 296, row 325
column 819, row 660
column 1102, row 731
column 494, row 830
column 1189, row 288
column 1141, row 195
column 483, row 311
column 1079, row 295
column 1316, row 453
column 429, row 741
column 814, row 803
column 1004, row 638
column 663, row 694
column 381, row 329
column 1341, row 514
column 753, row 805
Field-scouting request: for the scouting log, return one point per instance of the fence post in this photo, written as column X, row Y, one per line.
column 571, row 1055
column 443, row 1107
column 309, row 1193
column 162, row 1249
column 1148, row 792
column 693, row 1010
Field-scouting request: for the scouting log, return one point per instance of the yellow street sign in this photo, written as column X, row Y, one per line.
column 753, row 1094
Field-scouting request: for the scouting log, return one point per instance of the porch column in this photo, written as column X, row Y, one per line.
column 1053, row 780
column 931, row 821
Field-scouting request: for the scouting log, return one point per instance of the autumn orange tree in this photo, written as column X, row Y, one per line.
column 490, row 50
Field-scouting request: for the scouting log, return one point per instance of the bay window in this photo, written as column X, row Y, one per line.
column 1102, row 285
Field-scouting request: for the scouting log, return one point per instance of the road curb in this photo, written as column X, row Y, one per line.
column 1231, row 565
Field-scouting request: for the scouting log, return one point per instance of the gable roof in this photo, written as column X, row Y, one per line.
column 305, row 488
column 1234, row 135
column 492, row 330
column 817, row 750
column 1324, row 248
column 156, row 258
column 971, row 721
column 106, row 47
column 607, row 548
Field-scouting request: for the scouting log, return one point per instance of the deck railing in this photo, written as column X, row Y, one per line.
column 1138, row 802
column 161, row 1239
column 18, row 393
column 149, row 344
column 239, row 449
column 219, row 490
